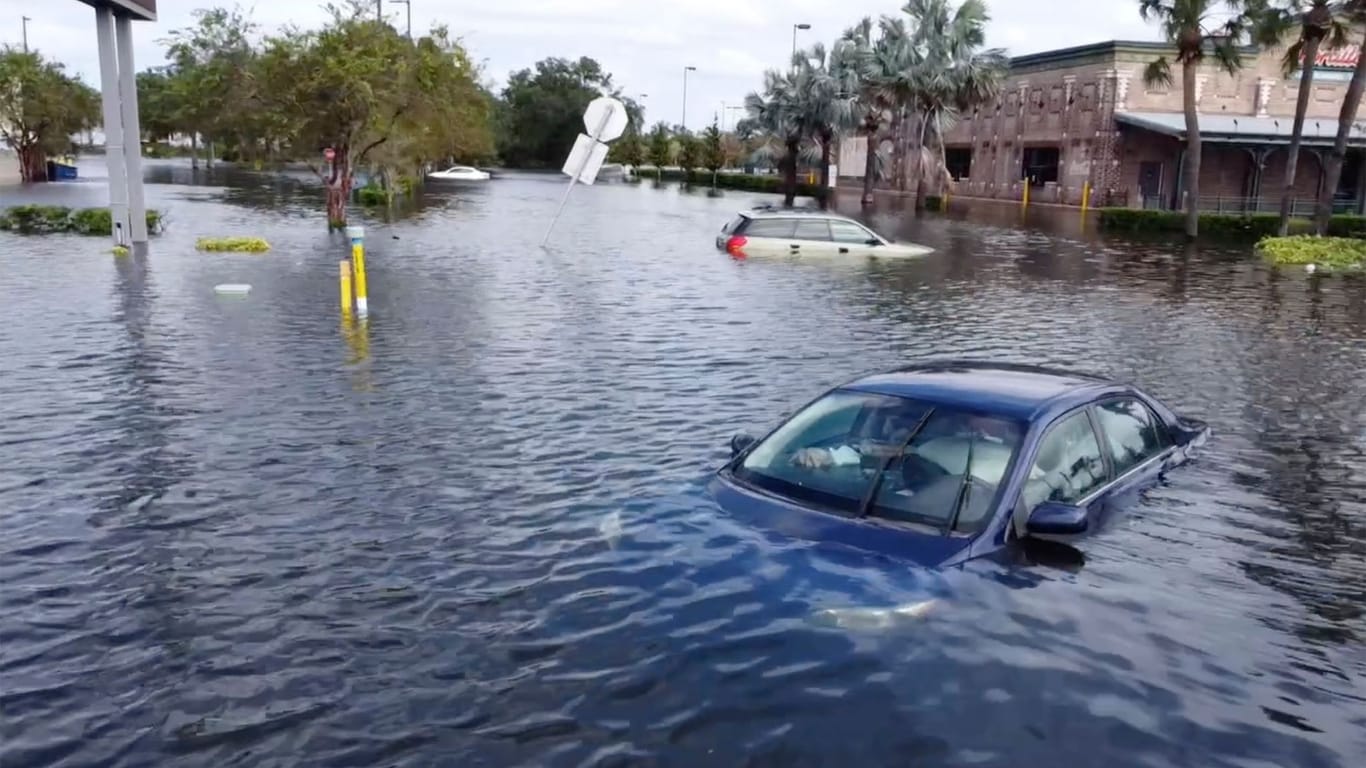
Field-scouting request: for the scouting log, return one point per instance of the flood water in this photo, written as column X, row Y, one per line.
column 237, row 531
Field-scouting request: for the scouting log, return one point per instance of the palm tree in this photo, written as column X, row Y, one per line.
column 871, row 63
column 777, row 112
column 1193, row 27
column 958, row 76
column 1318, row 21
column 1355, row 13
column 826, row 85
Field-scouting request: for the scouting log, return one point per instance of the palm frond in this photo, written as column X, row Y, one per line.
column 1158, row 72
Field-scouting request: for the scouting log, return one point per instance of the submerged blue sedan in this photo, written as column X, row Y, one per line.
column 944, row 462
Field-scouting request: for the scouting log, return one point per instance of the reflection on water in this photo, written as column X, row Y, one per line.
column 471, row 529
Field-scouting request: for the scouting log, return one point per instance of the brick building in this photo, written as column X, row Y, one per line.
column 1084, row 114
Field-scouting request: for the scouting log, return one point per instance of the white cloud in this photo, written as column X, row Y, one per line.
column 643, row 44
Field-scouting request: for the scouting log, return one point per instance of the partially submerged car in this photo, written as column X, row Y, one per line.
column 771, row 231
column 944, row 462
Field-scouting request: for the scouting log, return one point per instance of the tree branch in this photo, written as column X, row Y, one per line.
column 369, row 147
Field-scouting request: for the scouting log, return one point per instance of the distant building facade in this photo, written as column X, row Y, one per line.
column 1082, row 115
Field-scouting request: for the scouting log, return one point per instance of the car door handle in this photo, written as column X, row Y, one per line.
column 844, row 250
column 794, row 247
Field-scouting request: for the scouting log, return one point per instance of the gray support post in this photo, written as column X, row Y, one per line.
column 132, row 129
column 113, row 124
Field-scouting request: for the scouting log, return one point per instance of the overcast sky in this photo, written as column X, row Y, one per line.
column 643, row 43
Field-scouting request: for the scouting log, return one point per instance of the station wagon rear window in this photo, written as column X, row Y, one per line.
column 734, row 225
column 780, row 228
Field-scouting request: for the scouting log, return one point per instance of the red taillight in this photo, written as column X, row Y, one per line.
column 734, row 244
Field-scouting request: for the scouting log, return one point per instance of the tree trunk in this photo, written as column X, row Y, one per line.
column 194, row 151
column 1292, row 157
column 1332, row 170
column 920, row 165
column 823, row 194
column 898, row 132
column 208, row 156
column 943, row 170
column 1192, row 170
column 790, row 172
column 870, row 166
column 339, row 189
column 32, row 164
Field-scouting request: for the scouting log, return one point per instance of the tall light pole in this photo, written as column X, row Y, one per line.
column 409, row 5
column 25, row 21
column 796, row 27
column 379, row 11
column 686, row 70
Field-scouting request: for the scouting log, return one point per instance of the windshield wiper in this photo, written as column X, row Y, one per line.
column 877, row 481
column 961, row 498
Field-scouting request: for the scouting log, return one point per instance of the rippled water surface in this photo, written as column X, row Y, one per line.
column 236, row 531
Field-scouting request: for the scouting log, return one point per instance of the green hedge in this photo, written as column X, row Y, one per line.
column 1307, row 249
column 46, row 219
column 1250, row 226
column 745, row 182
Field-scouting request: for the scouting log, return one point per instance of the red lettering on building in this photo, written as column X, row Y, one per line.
column 1338, row 58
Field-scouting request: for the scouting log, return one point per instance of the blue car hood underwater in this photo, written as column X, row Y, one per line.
column 763, row 511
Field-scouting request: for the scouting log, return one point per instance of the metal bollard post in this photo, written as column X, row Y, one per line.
column 357, row 235
column 344, row 278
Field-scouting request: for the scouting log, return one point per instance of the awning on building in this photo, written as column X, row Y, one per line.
column 1244, row 129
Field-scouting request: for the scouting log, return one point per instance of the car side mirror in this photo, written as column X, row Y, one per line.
column 872, row 241
column 1053, row 518
column 740, row 443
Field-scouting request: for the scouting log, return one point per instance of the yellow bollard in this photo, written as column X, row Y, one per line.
column 947, row 196
column 344, row 279
column 1024, row 200
column 1085, row 197
column 357, row 235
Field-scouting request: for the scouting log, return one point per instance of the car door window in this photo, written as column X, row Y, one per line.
column 817, row 229
column 1068, row 465
column 1132, row 434
column 849, row 232
column 779, row 228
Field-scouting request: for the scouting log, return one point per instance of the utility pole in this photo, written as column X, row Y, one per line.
column 25, row 22
column 379, row 11
column 686, row 70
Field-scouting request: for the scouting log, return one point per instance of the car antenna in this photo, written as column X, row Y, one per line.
column 963, row 490
column 887, row 462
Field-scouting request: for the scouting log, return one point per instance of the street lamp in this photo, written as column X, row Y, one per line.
column 796, row 27
column 686, row 70
column 409, row 5
column 25, row 22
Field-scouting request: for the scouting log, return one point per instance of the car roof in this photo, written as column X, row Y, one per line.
column 772, row 212
column 1016, row 391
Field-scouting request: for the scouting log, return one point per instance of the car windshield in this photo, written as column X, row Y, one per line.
column 832, row 454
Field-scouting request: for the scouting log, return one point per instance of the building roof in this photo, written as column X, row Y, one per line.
column 1015, row 391
column 1045, row 59
column 1243, row 128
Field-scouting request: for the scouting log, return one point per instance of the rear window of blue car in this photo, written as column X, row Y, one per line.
column 849, row 452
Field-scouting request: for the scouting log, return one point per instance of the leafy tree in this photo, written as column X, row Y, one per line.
column 156, row 105
column 1198, row 28
column 41, row 107
column 714, row 151
column 659, row 148
column 689, row 153
column 208, row 75
column 629, row 149
column 542, row 110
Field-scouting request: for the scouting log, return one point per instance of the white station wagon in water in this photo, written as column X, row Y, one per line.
column 798, row 232
column 459, row 173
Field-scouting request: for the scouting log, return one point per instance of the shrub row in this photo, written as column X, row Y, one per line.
column 1251, row 226
column 1307, row 249
column 745, row 182
column 232, row 244
column 46, row 219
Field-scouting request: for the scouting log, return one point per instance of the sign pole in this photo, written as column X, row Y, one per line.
column 583, row 154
